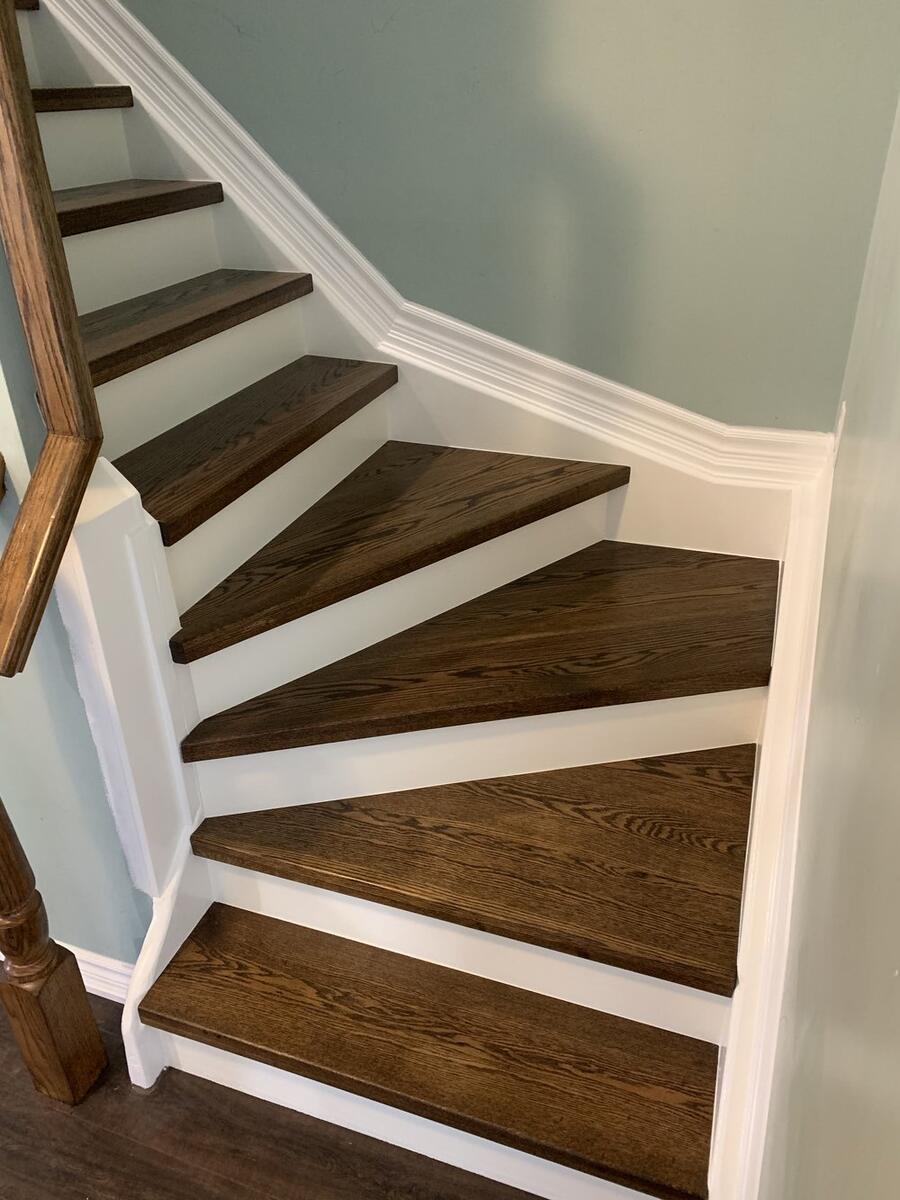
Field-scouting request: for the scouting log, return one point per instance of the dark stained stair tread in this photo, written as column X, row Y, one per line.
column 619, row 1100
column 76, row 99
column 635, row 864
column 28, row 5
column 128, row 335
column 101, row 205
column 617, row 623
column 191, row 472
column 406, row 507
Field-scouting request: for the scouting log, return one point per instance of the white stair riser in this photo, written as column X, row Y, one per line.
column 308, row 774
column 626, row 994
column 53, row 58
column 280, row 655
column 111, row 265
column 84, row 147
column 147, row 402
column 534, row 1175
column 207, row 555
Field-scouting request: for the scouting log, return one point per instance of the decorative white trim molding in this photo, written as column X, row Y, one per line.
column 400, row 329
column 106, row 977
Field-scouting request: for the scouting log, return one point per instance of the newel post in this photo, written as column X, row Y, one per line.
column 41, row 986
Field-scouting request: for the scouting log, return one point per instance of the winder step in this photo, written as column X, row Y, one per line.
column 102, row 205
column 617, row 623
column 637, row 864
column 626, row 1102
column 191, row 472
column 133, row 333
column 406, row 507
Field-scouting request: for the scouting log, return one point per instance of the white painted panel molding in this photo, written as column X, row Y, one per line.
column 106, row 977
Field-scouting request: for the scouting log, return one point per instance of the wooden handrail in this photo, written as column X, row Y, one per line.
column 40, row 985
column 40, row 275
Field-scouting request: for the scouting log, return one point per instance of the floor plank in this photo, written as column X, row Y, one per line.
column 187, row 1137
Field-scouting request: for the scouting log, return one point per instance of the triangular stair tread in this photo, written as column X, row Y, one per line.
column 191, row 472
column 406, row 507
column 626, row 1102
column 617, row 623
column 102, row 205
column 635, row 864
column 78, row 99
column 133, row 333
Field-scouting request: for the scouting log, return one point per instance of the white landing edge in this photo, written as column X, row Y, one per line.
column 397, row 328
column 396, row 763
column 626, row 994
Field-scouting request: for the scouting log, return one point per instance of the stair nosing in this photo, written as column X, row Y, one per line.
column 81, row 98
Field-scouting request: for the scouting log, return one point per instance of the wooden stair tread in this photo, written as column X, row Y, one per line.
column 28, row 5
column 77, row 99
column 617, row 623
column 191, row 472
column 619, row 1100
column 406, row 507
column 635, row 864
column 135, row 332
column 101, row 205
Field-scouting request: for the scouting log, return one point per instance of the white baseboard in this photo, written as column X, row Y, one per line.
column 106, row 977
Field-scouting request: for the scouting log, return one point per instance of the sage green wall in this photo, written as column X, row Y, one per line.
column 834, row 1132
column 50, row 777
column 674, row 193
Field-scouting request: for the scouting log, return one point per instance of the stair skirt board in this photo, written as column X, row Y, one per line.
column 534, row 1176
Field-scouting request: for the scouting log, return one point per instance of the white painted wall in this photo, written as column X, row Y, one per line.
column 835, row 1127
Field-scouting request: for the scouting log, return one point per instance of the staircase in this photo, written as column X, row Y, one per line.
column 464, row 946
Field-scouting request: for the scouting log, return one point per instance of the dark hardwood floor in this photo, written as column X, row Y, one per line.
column 191, row 1139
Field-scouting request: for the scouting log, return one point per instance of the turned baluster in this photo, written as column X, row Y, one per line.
column 41, row 986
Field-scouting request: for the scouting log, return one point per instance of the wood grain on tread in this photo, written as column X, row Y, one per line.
column 406, row 507
column 191, row 472
column 619, row 1100
column 102, row 205
column 133, row 333
column 77, row 99
column 635, row 864
column 615, row 624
